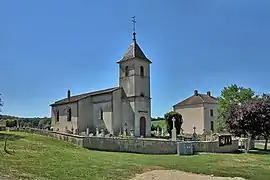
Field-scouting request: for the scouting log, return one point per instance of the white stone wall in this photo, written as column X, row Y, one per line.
column 62, row 124
column 86, row 115
column 207, row 116
column 193, row 115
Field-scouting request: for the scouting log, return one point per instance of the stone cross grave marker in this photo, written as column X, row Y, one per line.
column 194, row 136
column 97, row 131
column 87, row 131
column 173, row 130
column 125, row 129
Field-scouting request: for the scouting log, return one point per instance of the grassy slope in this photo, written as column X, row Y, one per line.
column 38, row 157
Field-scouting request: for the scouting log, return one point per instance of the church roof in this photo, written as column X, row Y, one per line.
column 134, row 51
column 82, row 96
column 198, row 99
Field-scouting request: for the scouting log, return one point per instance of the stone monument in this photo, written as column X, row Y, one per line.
column 194, row 135
column 173, row 130
column 97, row 131
column 131, row 132
column 125, row 129
column 162, row 132
column 102, row 133
column 87, row 131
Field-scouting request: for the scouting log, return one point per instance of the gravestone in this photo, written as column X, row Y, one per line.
column 204, row 135
column 131, row 132
column 87, row 131
column 120, row 132
column 102, row 133
column 173, row 130
column 162, row 132
column 194, row 135
column 97, row 131
column 158, row 132
column 125, row 129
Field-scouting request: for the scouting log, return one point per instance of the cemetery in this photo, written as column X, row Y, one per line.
column 162, row 144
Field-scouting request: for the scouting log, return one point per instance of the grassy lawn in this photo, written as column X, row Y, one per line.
column 39, row 157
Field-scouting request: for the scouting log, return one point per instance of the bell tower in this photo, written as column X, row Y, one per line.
column 134, row 78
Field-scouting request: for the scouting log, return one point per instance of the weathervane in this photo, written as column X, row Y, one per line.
column 134, row 28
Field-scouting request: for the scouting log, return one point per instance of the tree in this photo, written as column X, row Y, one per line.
column 250, row 118
column 1, row 103
column 231, row 95
column 178, row 121
column 264, row 118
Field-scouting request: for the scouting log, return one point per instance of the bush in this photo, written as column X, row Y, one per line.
column 155, row 128
column 11, row 123
column 178, row 121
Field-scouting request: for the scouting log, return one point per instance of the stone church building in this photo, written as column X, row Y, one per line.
column 127, row 106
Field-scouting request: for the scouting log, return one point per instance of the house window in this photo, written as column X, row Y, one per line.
column 126, row 71
column 57, row 116
column 141, row 71
column 69, row 115
column 211, row 112
column 212, row 125
column 101, row 114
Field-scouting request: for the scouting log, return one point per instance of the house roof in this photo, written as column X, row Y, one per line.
column 198, row 99
column 81, row 96
column 134, row 51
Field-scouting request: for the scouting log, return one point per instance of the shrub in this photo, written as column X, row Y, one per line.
column 178, row 121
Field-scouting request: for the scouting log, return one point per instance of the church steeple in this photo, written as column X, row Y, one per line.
column 134, row 29
column 134, row 50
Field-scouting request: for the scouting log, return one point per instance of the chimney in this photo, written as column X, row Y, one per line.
column 68, row 94
column 208, row 93
column 195, row 92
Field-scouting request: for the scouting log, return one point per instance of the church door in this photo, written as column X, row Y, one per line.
column 142, row 126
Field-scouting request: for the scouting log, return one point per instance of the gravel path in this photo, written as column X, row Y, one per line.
column 178, row 175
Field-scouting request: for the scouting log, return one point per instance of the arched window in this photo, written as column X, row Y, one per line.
column 57, row 116
column 142, row 95
column 141, row 71
column 101, row 114
column 69, row 115
column 126, row 71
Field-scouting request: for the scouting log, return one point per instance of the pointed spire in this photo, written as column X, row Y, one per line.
column 134, row 28
column 134, row 49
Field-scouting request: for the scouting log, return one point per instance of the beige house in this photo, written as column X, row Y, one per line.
column 199, row 111
column 115, row 109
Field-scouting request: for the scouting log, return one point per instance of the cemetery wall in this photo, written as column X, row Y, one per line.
column 208, row 146
column 130, row 145
column 133, row 145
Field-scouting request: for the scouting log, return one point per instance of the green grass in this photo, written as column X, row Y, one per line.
column 161, row 123
column 39, row 157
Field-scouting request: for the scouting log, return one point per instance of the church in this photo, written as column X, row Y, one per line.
column 126, row 107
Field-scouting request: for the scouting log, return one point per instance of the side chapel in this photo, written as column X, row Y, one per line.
column 127, row 106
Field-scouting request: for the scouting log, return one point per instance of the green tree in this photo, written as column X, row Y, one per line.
column 178, row 121
column 1, row 102
column 231, row 95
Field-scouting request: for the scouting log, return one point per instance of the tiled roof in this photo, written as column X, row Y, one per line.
column 133, row 51
column 81, row 96
column 199, row 99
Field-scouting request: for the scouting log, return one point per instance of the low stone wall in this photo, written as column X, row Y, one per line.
column 130, row 145
column 75, row 139
column 134, row 145
column 208, row 146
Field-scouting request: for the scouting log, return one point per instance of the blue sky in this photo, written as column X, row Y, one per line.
column 49, row 46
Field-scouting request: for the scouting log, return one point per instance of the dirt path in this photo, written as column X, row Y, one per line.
column 177, row 175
